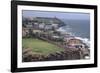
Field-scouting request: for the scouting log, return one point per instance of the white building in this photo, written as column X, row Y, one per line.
column 41, row 26
column 55, row 26
column 29, row 26
column 48, row 27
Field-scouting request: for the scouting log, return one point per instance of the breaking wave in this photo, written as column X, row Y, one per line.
column 64, row 29
column 84, row 40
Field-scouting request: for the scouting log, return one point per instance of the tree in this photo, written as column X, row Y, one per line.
column 30, row 33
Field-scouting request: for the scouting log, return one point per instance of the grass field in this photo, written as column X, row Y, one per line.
column 40, row 46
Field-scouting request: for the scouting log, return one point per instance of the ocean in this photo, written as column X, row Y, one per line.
column 78, row 28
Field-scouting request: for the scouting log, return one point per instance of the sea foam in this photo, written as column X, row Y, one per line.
column 84, row 40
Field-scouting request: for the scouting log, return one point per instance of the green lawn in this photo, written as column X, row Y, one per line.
column 39, row 46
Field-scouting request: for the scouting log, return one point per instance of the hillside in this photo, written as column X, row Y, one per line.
column 45, row 20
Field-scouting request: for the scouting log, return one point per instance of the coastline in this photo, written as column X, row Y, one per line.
column 47, row 29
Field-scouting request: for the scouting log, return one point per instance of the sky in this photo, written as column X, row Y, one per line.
column 61, row 15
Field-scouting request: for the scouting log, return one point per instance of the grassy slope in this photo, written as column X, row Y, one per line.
column 40, row 46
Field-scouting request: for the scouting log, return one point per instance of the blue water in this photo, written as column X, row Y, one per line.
column 78, row 28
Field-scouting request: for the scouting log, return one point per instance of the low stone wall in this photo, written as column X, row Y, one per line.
column 29, row 56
